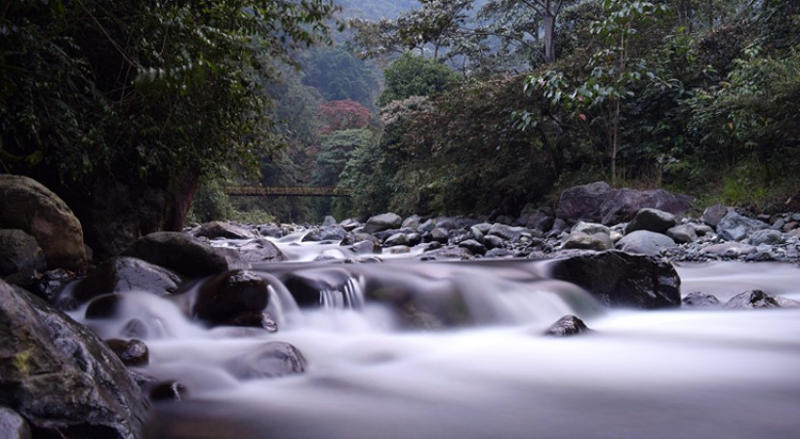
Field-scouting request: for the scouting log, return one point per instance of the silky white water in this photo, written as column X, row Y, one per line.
column 641, row 374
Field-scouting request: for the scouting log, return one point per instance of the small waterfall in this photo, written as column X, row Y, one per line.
column 351, row 295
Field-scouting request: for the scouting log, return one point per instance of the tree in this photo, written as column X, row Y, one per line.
column 343, row 115
column 411, row 75
column 616, row 69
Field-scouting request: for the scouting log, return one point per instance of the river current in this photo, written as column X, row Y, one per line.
column 682, row 373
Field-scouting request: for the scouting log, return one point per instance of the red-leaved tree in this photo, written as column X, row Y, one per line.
column 344, row 115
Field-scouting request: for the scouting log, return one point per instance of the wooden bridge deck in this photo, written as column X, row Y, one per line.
column 284, row 191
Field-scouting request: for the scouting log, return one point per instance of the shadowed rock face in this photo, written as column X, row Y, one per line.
column 59, row 376
column 180, row 252
column 567, row 326
column 27, row 205
column 617, row 278
column 599, row 202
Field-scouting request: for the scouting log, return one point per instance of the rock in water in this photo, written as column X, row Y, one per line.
column 755, row 299
column 232, row 298
column 60, row 376
column 27, row 205
column 273, row 359
column 700, row 300
column 652, row 220
column 617, row 278
column 12, row 425
column 19, row 253
column 567, row 326
column 131, row 352
column 383, row 222
column 126, row 274
column 180, row 252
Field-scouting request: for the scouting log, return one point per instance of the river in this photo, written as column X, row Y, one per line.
column 682, row 373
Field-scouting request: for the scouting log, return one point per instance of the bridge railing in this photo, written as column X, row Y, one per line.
column 285, row 191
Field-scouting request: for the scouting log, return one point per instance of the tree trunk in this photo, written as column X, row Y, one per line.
column 549, row 28
column 615, row 143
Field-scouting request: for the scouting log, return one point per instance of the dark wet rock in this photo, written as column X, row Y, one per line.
column 106, row 306
column 19, row 253
column 414, row 238
column 491, row 241
column 736, row 227
column 179, row 252
column 224, row 230
column 699, row 299
column 683, row 233
column 232, row 298
column 617, row 278
column 712, row 215
column 473, row 246
column 29, row 206
column 567, row 326
column 702, row 229
column 426, row 226
column 355, row 237
column 539, row 221
column 271, row 230
column 48, row 285
column 754, row 299
column 766, row 236
column 126, row 274
column 12, row 425
column 598, row 202
column 382, row 222
column 60, row 377
column 396, row 239
column 440, row 235
column 131, row 352
column 645, row 243
column 445, row 223
column 332, row 233
column 652, row 220
column 168, row 391
column 270, row 360
column 476, row 233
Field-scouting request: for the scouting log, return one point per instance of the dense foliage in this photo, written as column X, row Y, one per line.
column 142, row 89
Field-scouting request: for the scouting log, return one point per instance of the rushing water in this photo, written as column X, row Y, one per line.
column 640, row 374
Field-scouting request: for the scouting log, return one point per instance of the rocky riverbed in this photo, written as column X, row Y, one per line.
column 238, row 330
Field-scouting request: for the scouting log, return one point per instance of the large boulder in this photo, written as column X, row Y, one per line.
column 179, row 252
column 645, row 243
column 712, row 215
column 598, row 202
column 19, row 253
column 384, row 221
column 652, row 220
column 27, row 205
column 223, row 229
column 595, row 241
column 236, row 298
column 122, row 274
column 60, row 377
column 617, row 278
column 735, row 227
